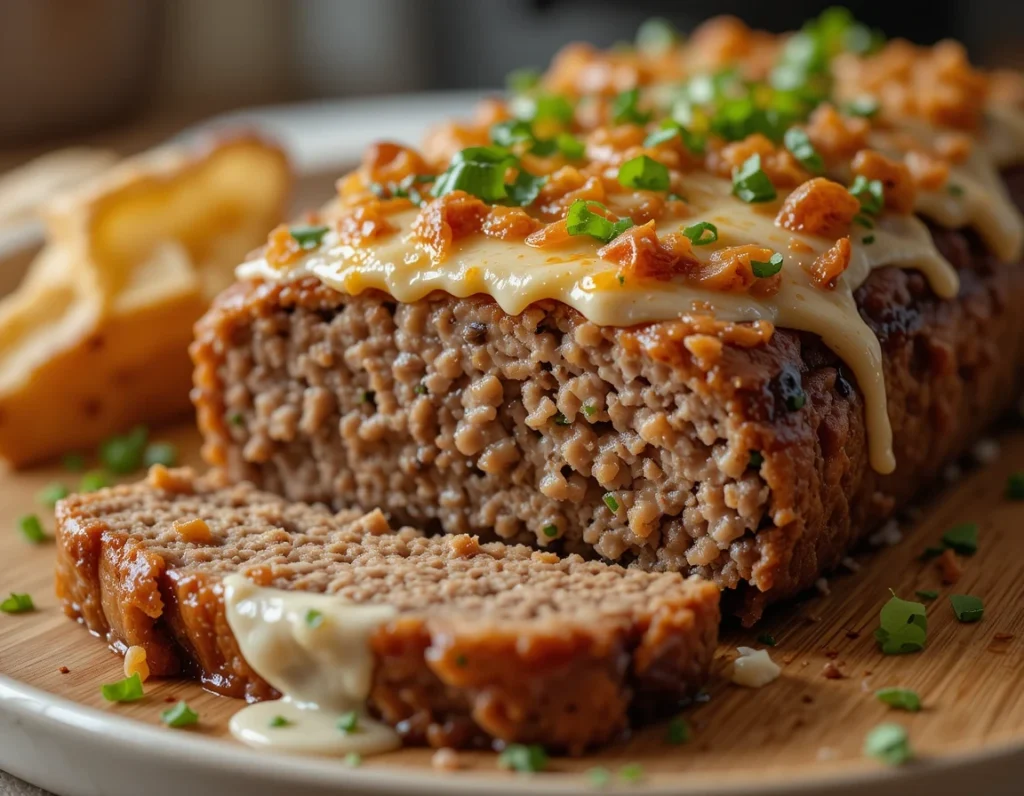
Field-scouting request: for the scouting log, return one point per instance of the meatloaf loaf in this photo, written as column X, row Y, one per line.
column 490, row 641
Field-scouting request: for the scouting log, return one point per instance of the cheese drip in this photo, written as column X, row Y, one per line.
column 516, row 275
column 315, row 650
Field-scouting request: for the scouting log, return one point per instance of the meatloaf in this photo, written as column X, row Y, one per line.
column 490, row 641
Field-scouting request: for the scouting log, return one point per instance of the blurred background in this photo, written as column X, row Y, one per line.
column 125, row 71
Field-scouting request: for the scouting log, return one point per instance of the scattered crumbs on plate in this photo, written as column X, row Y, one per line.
column 967, row 607
column 889, row 535
column 950, row 568
column 821, row 584
column 888, row 743
column 598, row 777
column 850, row 564
column 985, row 451
column 831, row 654
column 903, row 627
column 865, row 685
column 899, row 698
column 63, row 670
column 962, row 538
column 445, row 759
column 831, row 671
column 754, row 668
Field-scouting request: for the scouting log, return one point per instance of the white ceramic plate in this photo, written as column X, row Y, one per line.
column 77, row 751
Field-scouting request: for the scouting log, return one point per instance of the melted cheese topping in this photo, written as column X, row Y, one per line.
column 315, row 650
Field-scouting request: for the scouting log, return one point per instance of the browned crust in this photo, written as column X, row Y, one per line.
column 437, row 680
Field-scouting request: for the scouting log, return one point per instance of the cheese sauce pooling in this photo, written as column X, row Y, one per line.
column 315, row 650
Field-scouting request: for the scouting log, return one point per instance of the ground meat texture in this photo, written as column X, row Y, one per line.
column 490, row 642
column 748, row 468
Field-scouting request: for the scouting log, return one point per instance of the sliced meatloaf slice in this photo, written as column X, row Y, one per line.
column 490, row 641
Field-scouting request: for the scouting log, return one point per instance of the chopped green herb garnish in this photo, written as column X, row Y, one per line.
column 160, row 453
column 1015, row 486
column 479, row 171
column 420, row 389
column 903, row 627
column 865, row 107
column 51, row 493
column 927, row 594
column 967, row 607
column 520, row 81
column 539, row 107
column 644, row 173
column 236, row 419
column 309, row 237
column 589, row 410
column 625, row 110
column 611, row 502
column 756, row 460
column 656, row 36
column 523, row 758
column 570, row 146
column 511, row 132
column 524, row 189
column 864, row 221
column 314, row 618
column 767, row 639
column 931, row 552
column 17, row 604
column 900, row 698
column 796, row 401
column 32, row 529
column 662, row 136
column 678, row 731
column 123, row 454
column 598, row 777
column 560, row 419
column 670, row 128
column 763, row 270
column 581, row 220
column 621, row 278
column 75, row 462
column 870, row 193
column 631, row 772
column 799, row 145
column 888, row 743
column 695, row 233
column 181, row 715
column 127, row 690
column 962, row 538
column 751, row 184
column 550, row 531
column 349, row 722
column 93, row 481
column 867, row 240
column 353, row 760
column 955, row 190
column 280, row 721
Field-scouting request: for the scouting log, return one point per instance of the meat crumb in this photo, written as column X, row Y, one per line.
column 63, row 670
column 949, row 566
column 1004, row 637
column 985, row 451
column 832, row 654
column 832, row 672
column 853, row 635
column 446, row 759
column 889, row 535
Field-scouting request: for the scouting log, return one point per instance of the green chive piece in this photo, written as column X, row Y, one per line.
column 967, row 607
column 599, row 777
column 799, row 145
column 524, row 189
column 611, row 502
column 519, row 81
column 662, row 136
column 349, row 722
column 353, row 760
column 903, row 627
column 511, row 132
column 17, row 604
column 127, row 690
column 181, row 715
column 771, row 268
column 124, row 454
column 631, row 772
column 678, row 731
column 560, row 419
column 670, row 128
column 927, row 594
column 865, row 107
column 523, row 758
column 570, row 146
column 656, row 36
column 280, row 721
column 867, row 240
column 962, row 538
column 696, row 234
column 160, row 453
column 900, row 698
column 795, row 402
column 767, row 639
column 750, row 184
column 51, row 493
column 236, row 419
column 589, row 410
column 1015, row 486
column 75, row 462
column 864, row 221
column 93, row 481
column 756, row 460
column 581, row 220
column 625, row 110
column 870, row 193
column 550, row 531
column 477, row 170
column 32, row 529
column 308, row 237
column 931, row 552
column 644, row 173
column 420, row 389
column 314, row 618
column 888, row 743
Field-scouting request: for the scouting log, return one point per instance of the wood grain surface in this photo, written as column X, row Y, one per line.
column 970, row 677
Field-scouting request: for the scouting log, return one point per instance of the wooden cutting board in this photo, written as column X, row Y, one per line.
column 970, row 677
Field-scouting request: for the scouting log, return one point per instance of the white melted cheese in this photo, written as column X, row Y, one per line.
column 323, row 667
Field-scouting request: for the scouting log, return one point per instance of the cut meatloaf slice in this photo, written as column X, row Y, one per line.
column 671, row 445
column 490, row 641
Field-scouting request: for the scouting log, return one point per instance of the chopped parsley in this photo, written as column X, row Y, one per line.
column 864, row 221
column 279, row 721
column 611, row 502
column 644, row 173
column 353, row 760
column 927, row 594
column 51, row 493
column 888, row 743
column 899, row 698
column 750, row 184
column 420, row 389
column 181, row 715
column 962, row 538
column 1015, row 486
column 560, row 419
column 695, row 233
column 543, row 107
column 309, row 237
column 124, row 454
column 127, row 690
column 865, row 107
column 625, row 110
column 931, row 552
column 93, row 481
column 678, row 731
column 479, row 171
column 570, row 146
column 903, row 627
column 17, row 604
column 867, row 240
column 32, row 529
column 314, row 618
column 160, row 453
column 589, row 410
column 670, row 128
column 550, row 531
column 581, row 220
column 524, row 189
column 967, row 607
column 349, row 722
column 523, row 758
column 519, row 81
column 870, row 194
column 799, row 145
column 74, row 462
column 511, row 132
column 599, row 777
column 796, row 401
column 756, row 460
column 763, row 270
column 631, row 772
column 767, row 639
